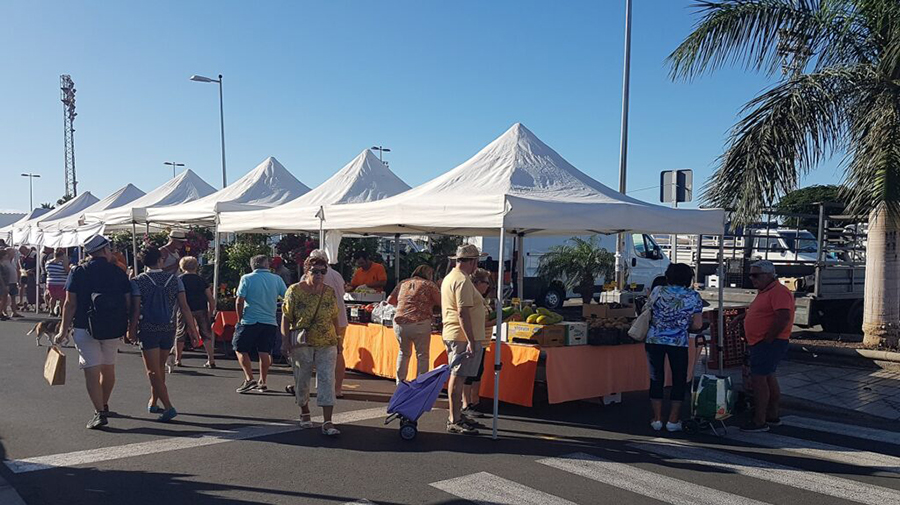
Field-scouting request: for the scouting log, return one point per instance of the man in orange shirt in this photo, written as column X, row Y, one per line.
column 368, row 273
column 767, row 327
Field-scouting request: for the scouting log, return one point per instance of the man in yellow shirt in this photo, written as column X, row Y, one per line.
column 368, row 273
column 463, row 332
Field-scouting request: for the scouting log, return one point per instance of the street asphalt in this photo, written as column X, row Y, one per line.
column 226, row 448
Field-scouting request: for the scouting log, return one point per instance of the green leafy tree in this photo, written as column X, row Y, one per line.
column 806, row 201
column 578, row 264
column 838, row 94
column 64, row 199
column 47, row 205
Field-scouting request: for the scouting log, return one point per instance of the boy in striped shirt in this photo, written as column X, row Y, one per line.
column 57, row 274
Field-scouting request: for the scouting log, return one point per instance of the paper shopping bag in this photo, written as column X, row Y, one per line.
column 55, row 367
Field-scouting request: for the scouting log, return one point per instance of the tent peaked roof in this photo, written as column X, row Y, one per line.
column 516, row 182
column 364, row 179
column 73, row 207
column 123, row 196
column 267, row 185
column 184, row 187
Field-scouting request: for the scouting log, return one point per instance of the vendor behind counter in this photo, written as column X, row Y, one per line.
column 368, row 273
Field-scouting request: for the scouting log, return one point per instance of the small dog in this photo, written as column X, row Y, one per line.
column 49, row 328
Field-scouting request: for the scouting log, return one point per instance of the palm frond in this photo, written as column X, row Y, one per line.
column 785, row 132
column 750, row 31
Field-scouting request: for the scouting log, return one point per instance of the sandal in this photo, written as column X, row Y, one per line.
column 305, row 421
column 330, row 432
column 209, row 365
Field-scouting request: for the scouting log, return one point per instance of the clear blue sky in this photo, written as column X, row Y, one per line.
column 313, row 83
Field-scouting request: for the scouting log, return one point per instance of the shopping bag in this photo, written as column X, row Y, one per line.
column 641, row 326
column 714, row 398
column 55, row 366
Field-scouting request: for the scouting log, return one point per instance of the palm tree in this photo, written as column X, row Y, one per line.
column 839, row 94
column 577, row 265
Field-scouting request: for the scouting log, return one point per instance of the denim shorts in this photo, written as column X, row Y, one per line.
column 257, row 337
column 765, row 356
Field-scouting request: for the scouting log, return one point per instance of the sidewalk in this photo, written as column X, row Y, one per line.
column 875, row 392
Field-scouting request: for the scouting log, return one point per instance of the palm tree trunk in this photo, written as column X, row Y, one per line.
column 881, row 316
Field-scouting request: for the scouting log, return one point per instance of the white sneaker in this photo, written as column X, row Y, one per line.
column 674, row 427
column 656, row 425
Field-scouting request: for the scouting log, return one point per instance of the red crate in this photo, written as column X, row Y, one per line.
column 735, row 346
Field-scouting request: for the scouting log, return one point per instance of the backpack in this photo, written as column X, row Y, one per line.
column 156, row 309
column 107, row 314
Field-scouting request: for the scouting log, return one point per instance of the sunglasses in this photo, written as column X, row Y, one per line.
column 759, row 274
column 318, row 271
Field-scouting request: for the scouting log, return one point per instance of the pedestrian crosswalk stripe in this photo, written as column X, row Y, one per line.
column 488, row 489
column 888, row 437
column 176, row 443
column 819, row 450
column 838, row 487
column 359, row 502
column 640, row 481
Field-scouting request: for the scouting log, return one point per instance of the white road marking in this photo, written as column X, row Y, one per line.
column 640, row 481
column 359, row 502
column 683, row 452
column 888, row 437
column 91, row 456
column 819, row 450
column 488, row 489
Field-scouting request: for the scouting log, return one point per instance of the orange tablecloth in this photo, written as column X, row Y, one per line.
column 581, row 372
column 373, row 348
column 224, row 325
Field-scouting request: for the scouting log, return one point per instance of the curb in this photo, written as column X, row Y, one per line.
column 847, row 352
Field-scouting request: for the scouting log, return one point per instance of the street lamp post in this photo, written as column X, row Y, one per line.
column 174, row 167
column 31, row 177
column 200, row 78
column 381, row 150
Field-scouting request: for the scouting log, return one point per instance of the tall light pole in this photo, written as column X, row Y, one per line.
column 31, row 177
column 623, row 147
column 174, row 167
column 381, row 150
column 200, row 78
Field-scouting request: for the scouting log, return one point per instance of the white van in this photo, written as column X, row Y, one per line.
column 643, row 258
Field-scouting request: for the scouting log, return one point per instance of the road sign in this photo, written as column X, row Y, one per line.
column 676, row 186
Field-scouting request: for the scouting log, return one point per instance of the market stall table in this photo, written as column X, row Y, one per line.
column 572, row 373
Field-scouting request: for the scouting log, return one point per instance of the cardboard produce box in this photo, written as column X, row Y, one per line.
column 605, row 311
column 576, row 333
column 550, row 335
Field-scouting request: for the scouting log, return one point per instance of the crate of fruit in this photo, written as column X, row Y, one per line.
column 734, row 346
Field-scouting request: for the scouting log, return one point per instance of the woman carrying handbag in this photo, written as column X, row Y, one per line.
column 674, row 310
column 309, row 329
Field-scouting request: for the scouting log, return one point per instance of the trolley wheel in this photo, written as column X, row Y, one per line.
column 408, row 431
column 691, row 426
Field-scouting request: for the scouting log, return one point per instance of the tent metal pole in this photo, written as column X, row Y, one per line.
column 37, row 280
column 721, row 321
column 397, row 258
column 520, row 266
column 134, row 248
column 321, row 216
column 216, row 261
column 497, row 350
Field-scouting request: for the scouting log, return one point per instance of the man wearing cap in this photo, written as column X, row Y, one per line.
column 98, row 293
column 463, row 330
column 767, row 328
column 171, row 252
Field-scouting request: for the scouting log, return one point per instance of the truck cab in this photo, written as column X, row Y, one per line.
column 643, row 259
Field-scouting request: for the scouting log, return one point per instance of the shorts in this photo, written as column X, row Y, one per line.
column 13, row 289
column 57, row 292
column 93, row 352
column 257, row 337
column 462, row 365
column 477, row 377
column 156, row 340
column 203, row 326
column 765, row 356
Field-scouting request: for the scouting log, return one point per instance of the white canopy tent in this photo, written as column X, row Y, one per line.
column 185, row 187
column 516, row 185
column 30, row 233
column 7, row 230
column 72, row 231
column 267, row 185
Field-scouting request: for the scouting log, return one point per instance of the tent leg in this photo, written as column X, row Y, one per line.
column 134, row 253
column 497, row 350
column 397, row 258
column 321, row 216
column 520, row 266
column 721, row 322
column 37, row 281
column 216, row 262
